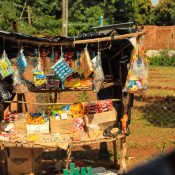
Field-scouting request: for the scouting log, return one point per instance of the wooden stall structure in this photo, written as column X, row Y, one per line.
column 115, row 48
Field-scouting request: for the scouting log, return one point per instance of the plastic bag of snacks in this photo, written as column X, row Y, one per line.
column 77, row 129
column 22, row 62
column 86, row 63
column 138, row 72
column 39, row 77
column 19, row 84
column 77, row 110
column 62, row 69
column 5, row 66
column 98, row 72
column 4, row 94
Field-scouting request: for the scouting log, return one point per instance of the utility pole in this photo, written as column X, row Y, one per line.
column 29, row 15
column 64, row 17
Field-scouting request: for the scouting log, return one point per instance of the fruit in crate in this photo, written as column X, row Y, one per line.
column 35, row 119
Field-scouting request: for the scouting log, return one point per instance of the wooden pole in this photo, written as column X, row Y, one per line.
column 118, row 37
column 66, row 43
column 64, row 17
column 29, row 15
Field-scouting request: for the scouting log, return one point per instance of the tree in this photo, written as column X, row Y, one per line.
column 164, row 12
column 142, row 12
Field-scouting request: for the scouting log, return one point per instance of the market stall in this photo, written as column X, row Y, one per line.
column 95, row 63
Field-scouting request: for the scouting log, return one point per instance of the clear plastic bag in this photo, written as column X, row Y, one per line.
column 138, row 72
column 4, row 94
column 98, row 72
column 18, row 83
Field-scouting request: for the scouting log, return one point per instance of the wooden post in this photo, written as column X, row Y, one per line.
column 19, row 105
column 29, row 15
column 3, row 163
column 115, row 153
column 1, row 111
column 123, row 154
column 64, row 17
column 25, row 104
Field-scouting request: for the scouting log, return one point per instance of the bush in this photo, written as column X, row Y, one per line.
column 162, row 60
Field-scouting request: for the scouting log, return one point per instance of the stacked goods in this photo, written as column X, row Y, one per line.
column 98, row 107
column 10, row 116
column 52, row 82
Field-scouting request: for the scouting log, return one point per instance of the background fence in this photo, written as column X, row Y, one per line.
column 153, row 117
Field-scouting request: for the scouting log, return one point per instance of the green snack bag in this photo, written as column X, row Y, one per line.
column 89, row 170
column 72, row 166
column 76, row 171
column 65, row 172
column 83, row 171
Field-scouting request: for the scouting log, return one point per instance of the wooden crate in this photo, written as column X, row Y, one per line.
column 103, row 120
column 61, row 126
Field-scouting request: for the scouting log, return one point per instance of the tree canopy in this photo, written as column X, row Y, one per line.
column 43, row 17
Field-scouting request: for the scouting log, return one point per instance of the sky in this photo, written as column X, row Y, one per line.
column 155, row 2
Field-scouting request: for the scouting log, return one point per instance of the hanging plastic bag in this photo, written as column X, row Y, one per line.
column 86, row 63
column 39, row 77
column 22, row 62
column 62, row 69
column 5, row 66
column 138, row 72
column 4, row 94
column 98, row 72
column 19, row 84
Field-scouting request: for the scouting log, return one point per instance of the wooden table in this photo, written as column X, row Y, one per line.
column 70, row 148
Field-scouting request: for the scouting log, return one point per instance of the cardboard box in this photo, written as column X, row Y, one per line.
column 40, row 129
column 103, row 120
column 24, row 160
column 61, row 126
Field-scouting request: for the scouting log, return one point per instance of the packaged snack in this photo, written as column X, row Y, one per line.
column 5, row 66
column 22, row 62
column 39, row 77
column 62, row 69
column 77, row 110
column 86, row 63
